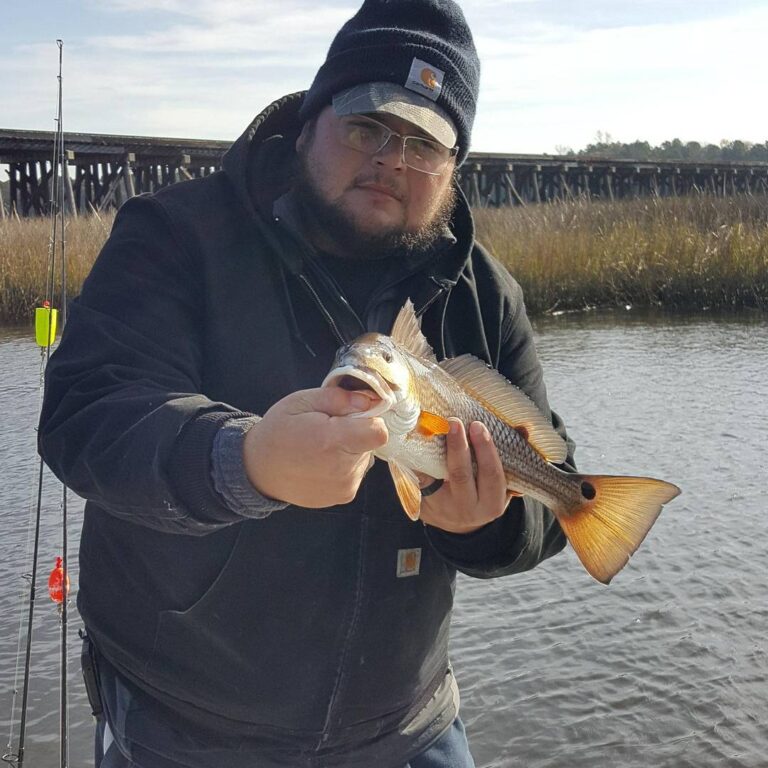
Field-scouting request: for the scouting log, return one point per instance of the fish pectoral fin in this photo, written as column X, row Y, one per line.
column 430, row 424
column 407, row 487
column 406, row 332
column 508, row 403
column 614, row 517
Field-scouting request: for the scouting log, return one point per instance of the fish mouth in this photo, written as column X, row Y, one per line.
column 367, row 382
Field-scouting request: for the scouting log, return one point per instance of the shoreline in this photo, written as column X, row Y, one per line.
column 643, row 312
column 685, row 254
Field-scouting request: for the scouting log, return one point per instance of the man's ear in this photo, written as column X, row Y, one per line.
column 304, row 136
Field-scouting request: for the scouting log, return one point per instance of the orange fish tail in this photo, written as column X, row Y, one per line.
column 612, row 520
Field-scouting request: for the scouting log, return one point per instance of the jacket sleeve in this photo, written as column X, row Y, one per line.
column 124, row 423
column 527, row 532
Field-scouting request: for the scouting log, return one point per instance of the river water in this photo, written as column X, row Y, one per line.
column 665, row 667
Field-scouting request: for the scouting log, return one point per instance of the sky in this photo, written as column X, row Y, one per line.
column 555, row 73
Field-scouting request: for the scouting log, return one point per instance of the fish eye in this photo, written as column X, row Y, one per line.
column 387, row 355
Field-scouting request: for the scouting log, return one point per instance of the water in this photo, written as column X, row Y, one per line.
column 667, row 667
column 20, row 367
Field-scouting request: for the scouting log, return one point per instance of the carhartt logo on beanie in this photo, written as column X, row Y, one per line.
column 425, row 79
column 422, row 45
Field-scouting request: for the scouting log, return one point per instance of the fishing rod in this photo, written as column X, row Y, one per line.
column 59, row 169
column 45, row 328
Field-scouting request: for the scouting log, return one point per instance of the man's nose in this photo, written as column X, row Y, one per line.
column 391, row 154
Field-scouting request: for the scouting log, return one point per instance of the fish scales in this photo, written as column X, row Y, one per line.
column 524, row 467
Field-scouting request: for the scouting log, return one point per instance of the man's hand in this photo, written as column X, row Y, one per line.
column 465, row 502
column 304, row 451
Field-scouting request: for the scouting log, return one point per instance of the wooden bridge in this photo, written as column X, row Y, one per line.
column 103, row 171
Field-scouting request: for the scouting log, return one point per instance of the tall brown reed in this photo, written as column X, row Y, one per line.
column 25, row 247
column 692, row 253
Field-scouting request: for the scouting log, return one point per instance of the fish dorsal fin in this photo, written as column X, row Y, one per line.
column 508, row 403
column 407, row 333
column 407, row 487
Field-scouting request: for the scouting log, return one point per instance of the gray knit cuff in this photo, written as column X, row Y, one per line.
column 228, row 472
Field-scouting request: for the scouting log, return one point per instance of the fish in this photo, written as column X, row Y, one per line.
column 604, row 517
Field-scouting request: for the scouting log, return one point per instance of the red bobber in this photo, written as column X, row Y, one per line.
column 56, row 582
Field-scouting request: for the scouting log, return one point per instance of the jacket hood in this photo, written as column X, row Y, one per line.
column 260, row 166
column 260, row 162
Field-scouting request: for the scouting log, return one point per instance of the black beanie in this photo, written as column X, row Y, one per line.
column 380, row 43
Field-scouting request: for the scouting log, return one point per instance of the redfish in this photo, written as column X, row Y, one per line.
column 604, row 517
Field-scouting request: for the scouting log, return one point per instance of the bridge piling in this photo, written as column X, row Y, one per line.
column 102, row 171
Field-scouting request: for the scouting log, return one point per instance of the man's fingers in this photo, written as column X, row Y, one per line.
column 358, row 435
column 491, row 482
column 332, row 401
column 459, row 459
column 332, row 408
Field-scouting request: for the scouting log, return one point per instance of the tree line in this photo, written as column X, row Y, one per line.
column 604, row 146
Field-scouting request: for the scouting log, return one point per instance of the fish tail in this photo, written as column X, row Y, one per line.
column 612, row 519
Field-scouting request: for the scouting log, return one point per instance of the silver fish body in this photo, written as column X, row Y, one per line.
column 605, row 518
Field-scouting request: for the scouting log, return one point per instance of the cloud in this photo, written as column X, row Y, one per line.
column 294, row 18
column 696, row 80
column 291, row 32
column 193, row 72
column 553, row 72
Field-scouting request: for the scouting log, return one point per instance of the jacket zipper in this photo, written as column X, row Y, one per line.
column 326, row 314
column 442, row 287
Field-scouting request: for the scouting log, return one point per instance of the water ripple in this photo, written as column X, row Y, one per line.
column 667, row 667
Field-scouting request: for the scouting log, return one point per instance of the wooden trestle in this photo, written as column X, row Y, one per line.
column 498, row 180
column 105, row 170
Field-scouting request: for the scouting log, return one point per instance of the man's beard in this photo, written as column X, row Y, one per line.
column 334, row 225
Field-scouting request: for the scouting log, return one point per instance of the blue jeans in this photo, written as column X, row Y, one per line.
column 172, row 748
column 451, row 750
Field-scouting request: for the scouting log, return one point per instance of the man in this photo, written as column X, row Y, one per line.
column 254, row 594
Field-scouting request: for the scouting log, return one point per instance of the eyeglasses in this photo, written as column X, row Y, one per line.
column 370, row 136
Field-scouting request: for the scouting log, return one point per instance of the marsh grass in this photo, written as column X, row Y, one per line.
column 25, row 255
column 686, row 253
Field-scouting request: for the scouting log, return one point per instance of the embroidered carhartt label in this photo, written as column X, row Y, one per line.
column 408, row 562
column 425, row 79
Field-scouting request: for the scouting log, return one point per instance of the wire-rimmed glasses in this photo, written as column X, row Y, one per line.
column 369, row 136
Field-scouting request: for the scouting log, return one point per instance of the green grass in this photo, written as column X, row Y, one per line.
column 686, row 253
